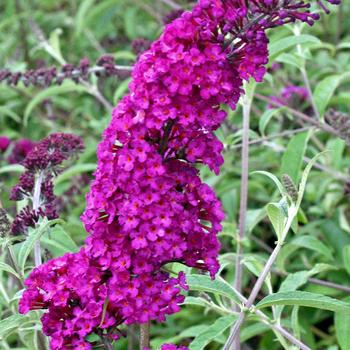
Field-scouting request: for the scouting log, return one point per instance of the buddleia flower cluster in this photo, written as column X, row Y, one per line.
column 41, row 164
column 147, row 206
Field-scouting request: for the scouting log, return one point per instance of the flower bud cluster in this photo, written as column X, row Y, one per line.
column 41, row 164
column 46, row 76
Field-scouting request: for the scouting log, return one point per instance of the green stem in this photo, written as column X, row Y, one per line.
column 144, row 336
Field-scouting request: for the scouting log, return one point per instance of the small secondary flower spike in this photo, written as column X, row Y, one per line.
column 44, row 158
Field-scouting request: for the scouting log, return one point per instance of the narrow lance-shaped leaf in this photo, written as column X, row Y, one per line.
column 8, row 268
column 28, row 244
column 217, row 328
column 306, row 299
column 305, row 176
column 273, row 178
column 310, row 242
column 342, row 326
column 217, row 286
column 266, row 117
column 292, row 159
column 10, row 324
column 324, row 91
column 346, row 258
column 277, row 218
column 67, row 86
column 284, row 44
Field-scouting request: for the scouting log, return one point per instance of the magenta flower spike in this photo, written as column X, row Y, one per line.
column 147, row 205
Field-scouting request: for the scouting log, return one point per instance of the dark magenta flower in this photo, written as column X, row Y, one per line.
column 20, row 150
column 291, row 95
column 173, row 347
column 4, row 143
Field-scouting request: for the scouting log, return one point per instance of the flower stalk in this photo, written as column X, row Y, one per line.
column 243, row 199
column 274, row 326
column 260, row 281
column 36, row 206
column 145, row 335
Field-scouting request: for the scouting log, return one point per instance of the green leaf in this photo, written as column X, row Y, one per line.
column 324, row 91
column 5, row 111
column 344, row 45
column 277, row 47
column 196, row 301
column 121, row 90
column 318, row 268
column 8, row 268
column 253, row 217
column 253, row 330
column 217, row 328
column 277, row 218
column 273, row 178
column 58, row 241
column 266, row 117
column 294, row 281
column 130, row 19
column 33, row 236
column 310, row 242
column 305, row 176
column 291, row 59
column 124, row 55
column 10, row 324
column 342, row 326
column 295, row 322
column 66, row 87
column 13, row 168
column 254, row 263
column 75, row 170
column 54, row 41
column 292, row 159
column 81, row 15
column 98, row 11
column 346, row 258
column 337, row 147
column 291, row 283
column 218, row 286
column 306, row 299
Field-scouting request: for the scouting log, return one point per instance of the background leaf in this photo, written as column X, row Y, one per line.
column 292, row 159
column 305, row 299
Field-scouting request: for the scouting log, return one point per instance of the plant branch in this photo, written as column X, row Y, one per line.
column 243, row 199
column 40, row 77
column 172, row 4
column 325, row 127
column 260, row 281
column 144, row 335
column 276, row 327
column 132, row 339
column 318, row 282
column 312, row 280
column 107, row 344
column 92, row 89
column 336, row 174
column 36, row 206
column 270, row 137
